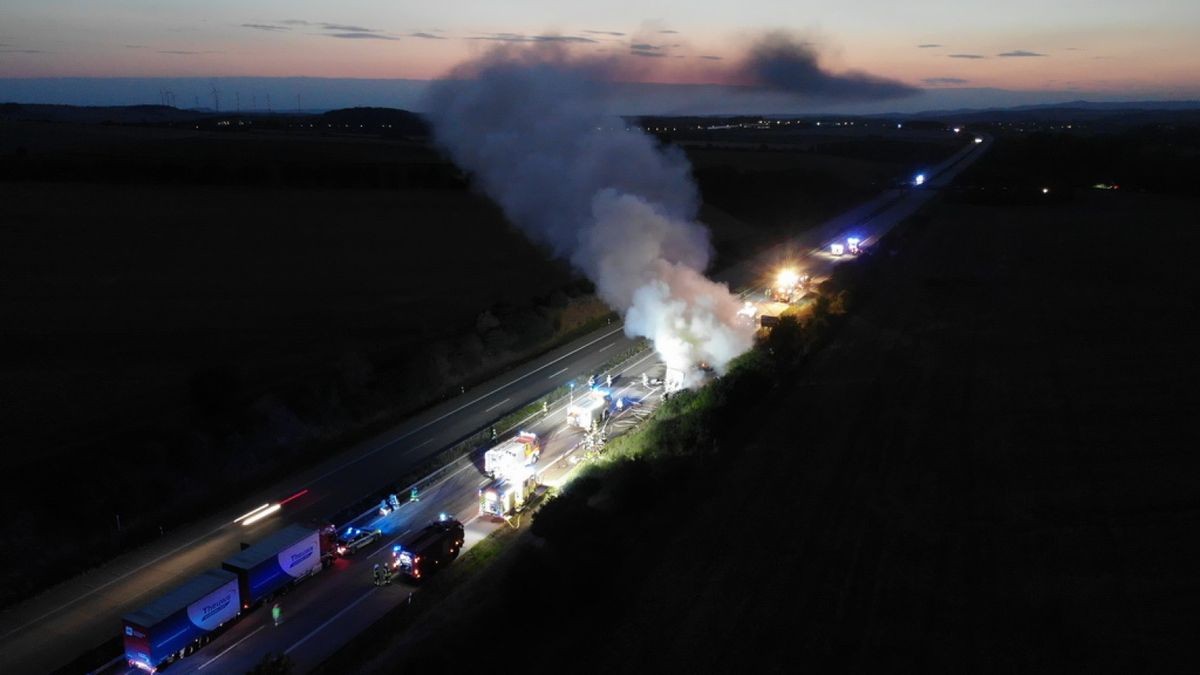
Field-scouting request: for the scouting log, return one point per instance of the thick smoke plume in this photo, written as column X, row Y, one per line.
column 779, row 61
column 530, row 125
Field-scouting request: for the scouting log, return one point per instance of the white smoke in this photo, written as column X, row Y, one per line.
column 531, row 126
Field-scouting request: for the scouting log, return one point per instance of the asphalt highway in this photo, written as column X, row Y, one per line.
column 48, row 631
column 327, row 610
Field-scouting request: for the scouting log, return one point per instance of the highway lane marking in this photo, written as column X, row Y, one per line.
column 632, row 365
column 389, row 544
column 423, row 444
column 496, row 406
column 331, row 619
column 387, row 444
column 106, row 584
column 551, row 377
column 464, row 406
column 226, row 650
column 108, row 665
column 605, row 347
column 189, row 543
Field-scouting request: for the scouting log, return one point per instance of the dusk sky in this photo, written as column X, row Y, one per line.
column 1142, row 49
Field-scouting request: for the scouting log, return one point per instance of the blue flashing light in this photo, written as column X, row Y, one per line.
column 919, row 180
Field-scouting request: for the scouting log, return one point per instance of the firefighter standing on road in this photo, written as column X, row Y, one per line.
column 276, row 614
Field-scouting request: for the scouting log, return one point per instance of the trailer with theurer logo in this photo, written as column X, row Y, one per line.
column 182, row 620
column 278, row 562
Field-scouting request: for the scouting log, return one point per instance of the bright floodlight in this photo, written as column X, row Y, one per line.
column 919, row 180
column 787, row 278
column 957, row 129
column 837, row 249
column 978, row 139
column 1045, row 191
column 854, row 241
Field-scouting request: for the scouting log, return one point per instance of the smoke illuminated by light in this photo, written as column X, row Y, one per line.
column 530, row 125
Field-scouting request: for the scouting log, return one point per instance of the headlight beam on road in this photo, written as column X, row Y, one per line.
column 251, row 513
column 261, row 514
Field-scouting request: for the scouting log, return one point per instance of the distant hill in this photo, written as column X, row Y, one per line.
column 393, row 120
column 1124, row 113
column 132, row 114
column 397, row 121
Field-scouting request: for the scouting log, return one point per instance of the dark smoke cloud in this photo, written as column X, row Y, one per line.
column 529, row 123
column 779, row 62
column 265, row 26
column 1019, row 52
column 517, row 37
column 965, row 56
column 360, row 36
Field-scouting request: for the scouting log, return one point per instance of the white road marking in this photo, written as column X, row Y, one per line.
column 496, row 406
column 554, row 375
column 226, row 650
column 605, row 347
column 390, row 544
column 423, row 444
column 312, row 481
column 631, row 366
column 463, row 406
column 106, row 584
column 331, row 619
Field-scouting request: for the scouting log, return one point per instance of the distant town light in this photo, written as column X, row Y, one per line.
column 1045, row 191
column 978, row 139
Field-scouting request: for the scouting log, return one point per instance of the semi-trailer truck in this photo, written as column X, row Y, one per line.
column 182, row 620
column 436, row 545
column 281, row 560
